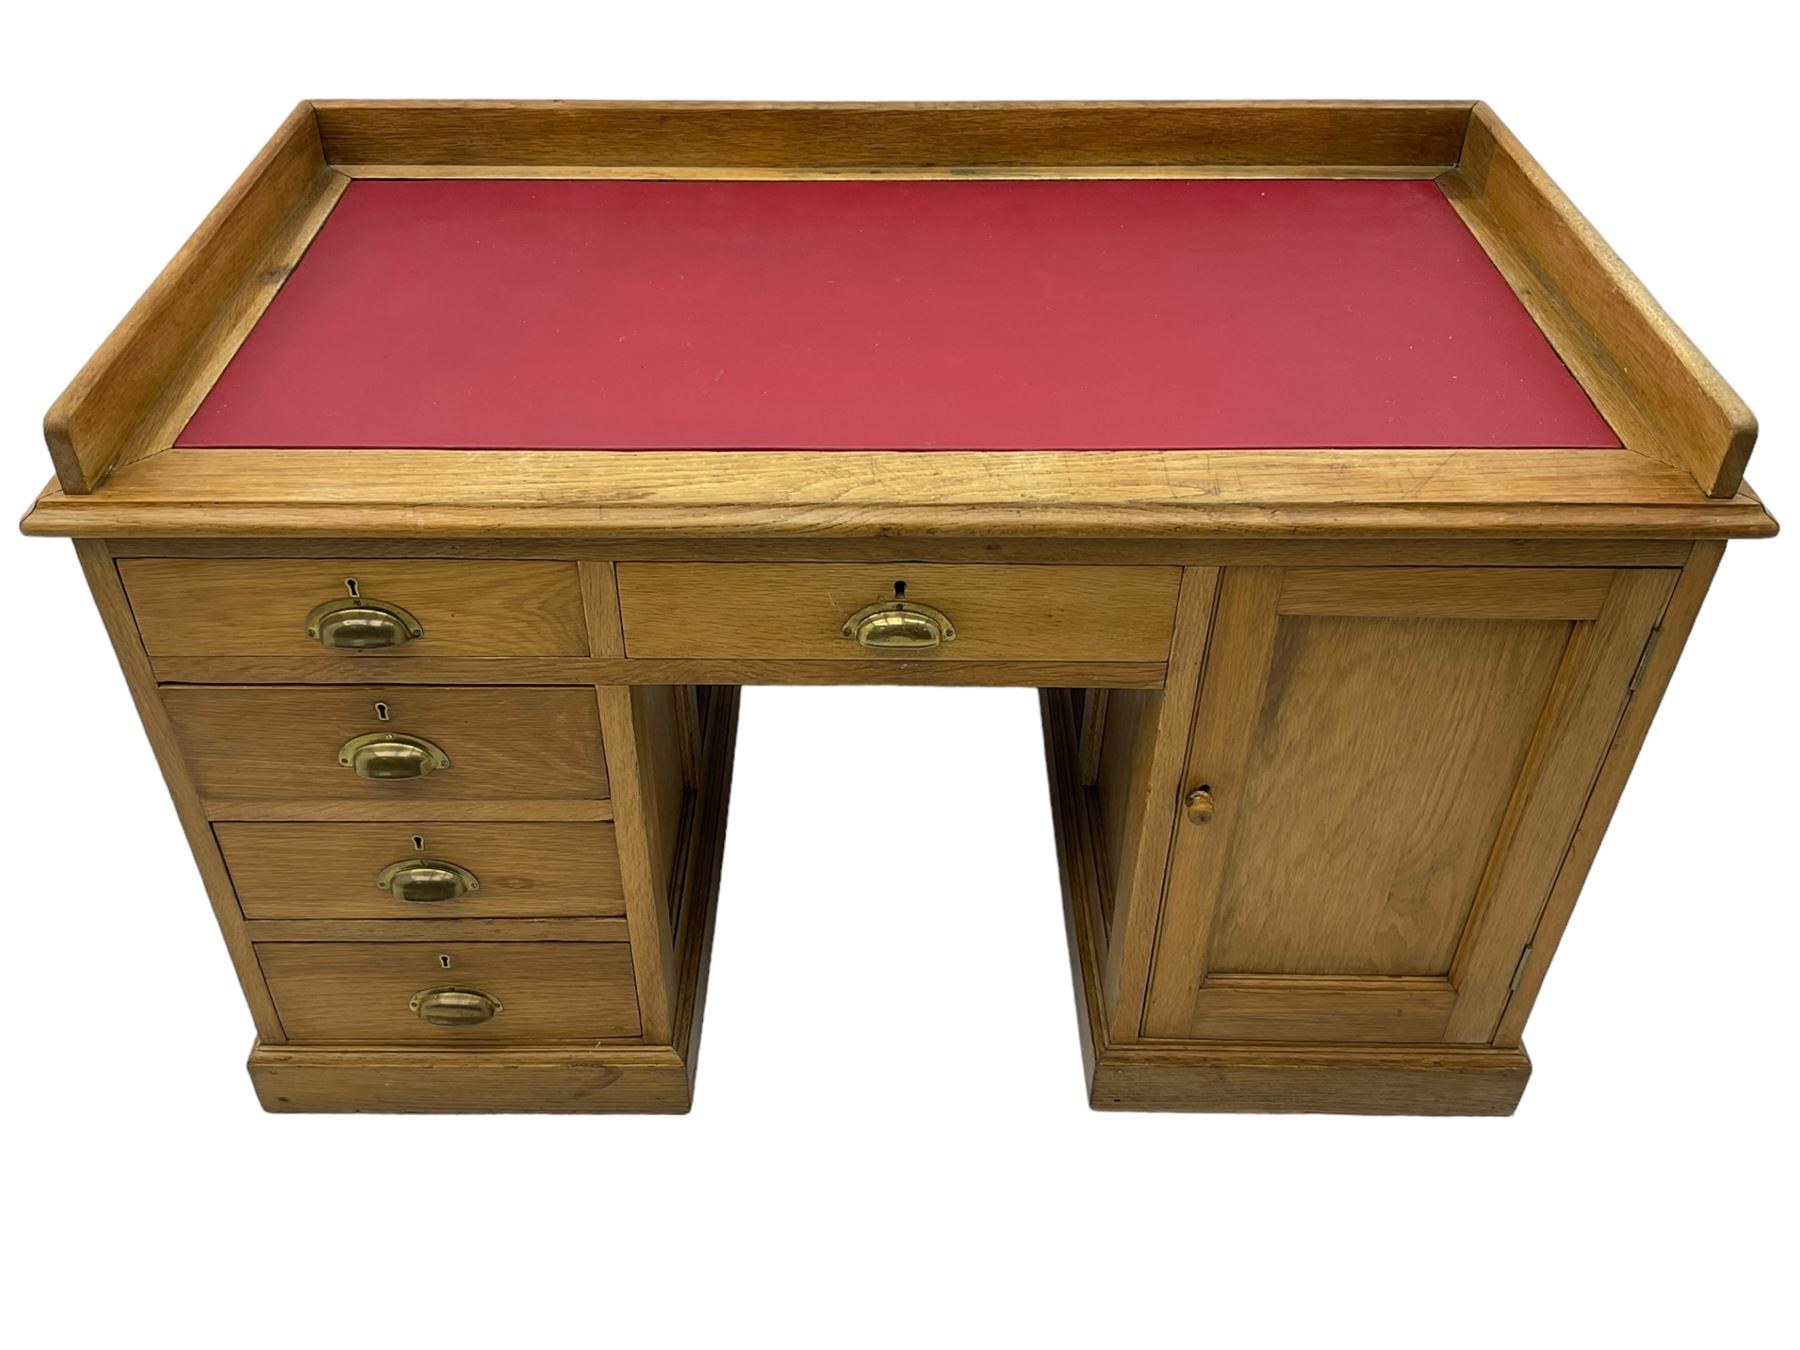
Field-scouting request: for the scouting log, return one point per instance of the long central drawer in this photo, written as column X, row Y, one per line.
column 276, row 741
column 808, row 611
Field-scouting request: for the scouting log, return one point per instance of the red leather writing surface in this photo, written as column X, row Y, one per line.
column 895, row 315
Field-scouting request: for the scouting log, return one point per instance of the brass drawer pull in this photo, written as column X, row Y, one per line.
column 448, row 1006
column 423, row 881
column 388, row 754
column 899, row 625
column 353, row 624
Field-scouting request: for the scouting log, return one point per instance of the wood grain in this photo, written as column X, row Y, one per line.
column 1009, row 172
column 1347, row 1080
column 407, row 809
column 1392, row 796
column 189, row 382
column 701, row 869
column 1652, row 683
column 1414, row 701
column 1230, row 703
column 437, row 930
column 1324, row 1011
column 616, row 1078
column 280, row 742
column 1114, row 748
column 1662, row 396
column 1595, row 684
column 889, row 135
column 258, row 606
column 610, row 1078
column 1430, row 592
column 327, row 871
column 115, row 612
column 1147, row 815
column 660, row 756
column 566, row 670
column 797, row 611
column 1383, row 761
column 628, row 758
column 351, row 992
column 713, row 495
column 93, row 421
column 1173, row 551
column 1218, row 1076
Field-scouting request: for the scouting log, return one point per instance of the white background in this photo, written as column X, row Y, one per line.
column 890, row 1144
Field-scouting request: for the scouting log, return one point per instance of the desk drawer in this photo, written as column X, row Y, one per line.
column 348, row 992
column 286, row 741
column 798, row 611
column 260, row 606
column 346, row 870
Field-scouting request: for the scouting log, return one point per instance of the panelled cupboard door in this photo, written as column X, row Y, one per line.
column 1393, row 761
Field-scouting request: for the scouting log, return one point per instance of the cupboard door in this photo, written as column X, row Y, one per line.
column 1390, row 763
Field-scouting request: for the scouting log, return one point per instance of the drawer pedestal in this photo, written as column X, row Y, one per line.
column 566, row 1079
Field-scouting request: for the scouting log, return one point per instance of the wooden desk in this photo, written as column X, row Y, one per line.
column 1345, row 496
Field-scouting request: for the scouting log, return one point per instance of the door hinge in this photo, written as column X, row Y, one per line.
column 1519, row 970
column 1644, row 659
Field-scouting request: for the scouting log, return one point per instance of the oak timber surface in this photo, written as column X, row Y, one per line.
column 519, row 314
column 282, row 742
column 350, row 992
column 466, row 609
column 327, row 869
column 1009, row 613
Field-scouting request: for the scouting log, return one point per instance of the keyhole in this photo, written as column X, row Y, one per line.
column 381, row 712
column 350, row 585
column 444, row 960
column 899, row 590
column 419, row 843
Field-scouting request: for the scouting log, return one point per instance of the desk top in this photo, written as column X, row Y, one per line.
column 1335, row 320
column 859, row 315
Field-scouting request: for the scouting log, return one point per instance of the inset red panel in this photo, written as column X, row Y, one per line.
column 1092, row 315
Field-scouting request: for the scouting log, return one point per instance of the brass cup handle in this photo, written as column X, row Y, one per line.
column 353, row 624
column 447, row 1006
column 899, row 625
column 424, row 881
column 389, row 755
column 1199, row 805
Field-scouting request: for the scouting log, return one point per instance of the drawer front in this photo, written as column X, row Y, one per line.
column 798, row 611
column 364, row 992
column 259, row 607
column 285, row 741
column 504, row 871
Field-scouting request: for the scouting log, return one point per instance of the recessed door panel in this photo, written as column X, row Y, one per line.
column 1386, row 767
column 1382, row 761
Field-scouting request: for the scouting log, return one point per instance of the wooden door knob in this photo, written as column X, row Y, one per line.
column 1199, row 805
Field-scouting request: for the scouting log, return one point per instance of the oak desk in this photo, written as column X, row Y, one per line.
column 1345, row 496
